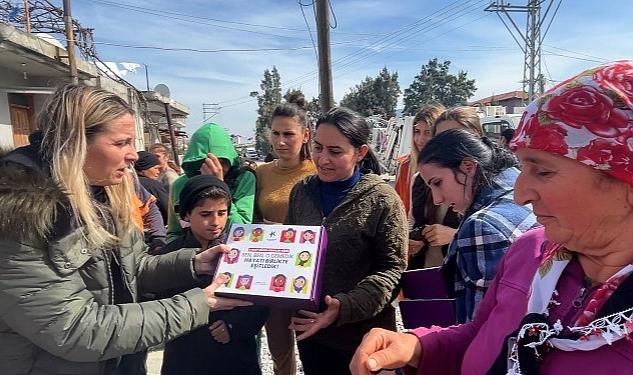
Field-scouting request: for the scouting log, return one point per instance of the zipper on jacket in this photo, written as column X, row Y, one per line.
column 106, row 257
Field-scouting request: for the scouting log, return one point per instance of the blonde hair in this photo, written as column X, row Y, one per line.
column 70, row 120
column 465, row 116
column 428, row 113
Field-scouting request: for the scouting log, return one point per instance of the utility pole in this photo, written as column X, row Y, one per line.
column 70, row 42
column 172, row 133
column 325, row 66
column 529, row 41
column 209, row 110
column 146, row 77
column 27, row 15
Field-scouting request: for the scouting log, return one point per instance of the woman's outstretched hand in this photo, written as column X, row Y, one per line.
column 221, row 303
column 382, row 349
column 312, row 322
column 206, row 261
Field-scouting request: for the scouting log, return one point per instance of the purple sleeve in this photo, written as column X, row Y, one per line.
column 155, row 232
column 443, row 349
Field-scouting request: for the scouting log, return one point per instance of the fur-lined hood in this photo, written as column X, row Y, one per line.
column 29, row 198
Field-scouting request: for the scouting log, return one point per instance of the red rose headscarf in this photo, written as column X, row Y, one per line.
column 588, row 118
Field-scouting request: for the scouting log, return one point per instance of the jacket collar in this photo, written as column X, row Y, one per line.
column 367, row 182
column 29, row 198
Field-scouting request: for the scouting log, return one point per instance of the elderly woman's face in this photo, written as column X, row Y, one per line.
column 153, row 172
column 578, row 206
column 111, row 152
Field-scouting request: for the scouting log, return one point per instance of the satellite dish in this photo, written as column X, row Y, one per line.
column 162, row 89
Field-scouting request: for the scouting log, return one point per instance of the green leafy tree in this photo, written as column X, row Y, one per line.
column 314, row 110
column 435, row 84
column 375, row 96
column 292, row 94
column 267, row 99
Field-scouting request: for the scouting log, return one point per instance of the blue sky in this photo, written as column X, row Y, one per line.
column 583, row 34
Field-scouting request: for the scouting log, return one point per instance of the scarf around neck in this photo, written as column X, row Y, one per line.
column 613, row 317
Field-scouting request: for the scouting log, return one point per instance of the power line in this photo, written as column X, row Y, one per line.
column 550, row 53
column 451, row 12
column 233, row 105
column 390, row 40
column 333, row 16
column 602, row 59
column 165, row 14
column 429, row 39
column 184, row 49
column 529, row 41
column 312, row 74
column 127, row 6
column 424, row 24
column 316, row 54
column 388, row 36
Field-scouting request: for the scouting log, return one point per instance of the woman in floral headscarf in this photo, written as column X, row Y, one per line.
column 562, row 301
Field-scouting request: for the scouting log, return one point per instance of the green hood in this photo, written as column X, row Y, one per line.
column 210, row 138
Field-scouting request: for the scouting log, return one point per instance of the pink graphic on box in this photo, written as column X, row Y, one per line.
column 278, row 283
column 244, row 282
column 232, row 257
column 307, row 236
column 288, row 236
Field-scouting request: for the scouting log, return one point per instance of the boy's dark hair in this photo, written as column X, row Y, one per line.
column 199, row 188
column 213, row 193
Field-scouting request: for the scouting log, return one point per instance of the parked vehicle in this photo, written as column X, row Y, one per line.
column 494, row 125
column 251, row 153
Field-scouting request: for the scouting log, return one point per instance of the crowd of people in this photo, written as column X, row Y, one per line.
column 106, row 252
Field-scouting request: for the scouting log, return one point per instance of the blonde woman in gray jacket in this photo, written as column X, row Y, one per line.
column 72, row 262
column 367, row 243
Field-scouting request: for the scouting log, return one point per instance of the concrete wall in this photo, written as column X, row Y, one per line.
column 38, row 103
column 6, row 132
column 11, row 78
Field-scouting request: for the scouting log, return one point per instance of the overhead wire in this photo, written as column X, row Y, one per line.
column 185, row 49
column 342, row 70
column 394, row 34
column 333, row 16
column 448, row 13
column 393, row 38
column 127, row 6
column 165, row 14
column 601, row 59
column 551, row 53
column 316, row 54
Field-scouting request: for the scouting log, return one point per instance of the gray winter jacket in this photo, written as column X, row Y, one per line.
column 67, row 308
